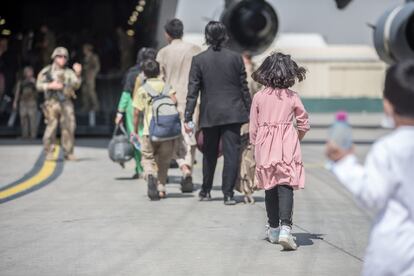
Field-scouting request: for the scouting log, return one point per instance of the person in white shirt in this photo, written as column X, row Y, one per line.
column 385, row 185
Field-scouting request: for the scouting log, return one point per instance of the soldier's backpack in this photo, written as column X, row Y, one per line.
column 165, row 123
column 120, row 149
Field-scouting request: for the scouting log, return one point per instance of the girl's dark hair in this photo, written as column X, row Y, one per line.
column 174, row 28
column 216, row 34
column 146, row 53
column 399, row 88
column 151, row 68
column 279, row 71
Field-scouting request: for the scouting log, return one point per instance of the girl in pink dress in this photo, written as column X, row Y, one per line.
column 279, row 166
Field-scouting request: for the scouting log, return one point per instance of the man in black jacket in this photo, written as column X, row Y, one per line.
column 225, row 105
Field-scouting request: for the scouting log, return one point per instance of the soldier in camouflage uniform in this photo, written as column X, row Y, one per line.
column 91, row 67
column 59, row 84
column 25, row 100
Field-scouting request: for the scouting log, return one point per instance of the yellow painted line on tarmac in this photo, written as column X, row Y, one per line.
column 44, row 173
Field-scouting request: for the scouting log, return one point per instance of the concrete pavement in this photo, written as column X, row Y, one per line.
column 94, row 220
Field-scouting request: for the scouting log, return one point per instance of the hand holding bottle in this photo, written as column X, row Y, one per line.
column 134, row 139
column 189, row 127
column 340, row 138
column 340, row 132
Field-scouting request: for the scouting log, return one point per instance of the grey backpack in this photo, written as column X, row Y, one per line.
column 165, row 123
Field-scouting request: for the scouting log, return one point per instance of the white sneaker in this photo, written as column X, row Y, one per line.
column 286, row 240
column 272, row 234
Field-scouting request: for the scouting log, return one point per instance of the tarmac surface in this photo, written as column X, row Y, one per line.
column 93, row 219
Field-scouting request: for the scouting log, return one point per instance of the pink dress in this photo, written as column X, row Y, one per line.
column 277, row 148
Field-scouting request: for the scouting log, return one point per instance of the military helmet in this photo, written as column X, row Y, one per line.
column 60, row 51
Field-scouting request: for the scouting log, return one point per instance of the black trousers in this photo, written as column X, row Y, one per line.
column 230, row 135
column 279, row 205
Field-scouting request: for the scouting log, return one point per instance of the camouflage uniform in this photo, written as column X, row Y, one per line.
column 28, row 108
column 91, row 67
column 58, row 106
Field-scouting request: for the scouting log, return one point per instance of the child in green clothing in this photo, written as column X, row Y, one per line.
column 133, row 80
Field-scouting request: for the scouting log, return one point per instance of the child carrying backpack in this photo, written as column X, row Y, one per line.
column 161, row 128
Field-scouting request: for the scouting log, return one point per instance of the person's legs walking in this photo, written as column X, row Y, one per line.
column 128, row 121
column 210, row 154
column 33, row 121
column 185, row 162
column 285, row 194
column 68, row 125
column 138, row 166
column 24, row 121
column 272, row 207
column 163, row 156
column 231, row 151
column 150, row 167
column 272, row 210
column 93, row 96
column 52, row 113
column 148, row 159
column 85, row 97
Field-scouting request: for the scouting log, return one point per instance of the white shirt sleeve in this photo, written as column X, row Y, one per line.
column 372, row 184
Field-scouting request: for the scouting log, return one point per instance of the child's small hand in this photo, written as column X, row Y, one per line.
column 133, row 136
column 335, row 153
column 187, row 128
column 118, row 118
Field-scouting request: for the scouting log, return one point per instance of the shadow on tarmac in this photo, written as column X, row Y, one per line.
column 85, row 159
column 124, row 178
column 305, row 239
column 179, row 195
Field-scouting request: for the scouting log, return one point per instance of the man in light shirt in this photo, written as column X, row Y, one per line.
column 175, row 62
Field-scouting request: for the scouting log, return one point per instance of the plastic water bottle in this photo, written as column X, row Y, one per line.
column 136, row 143
column 341, row 132
column 192, row 126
